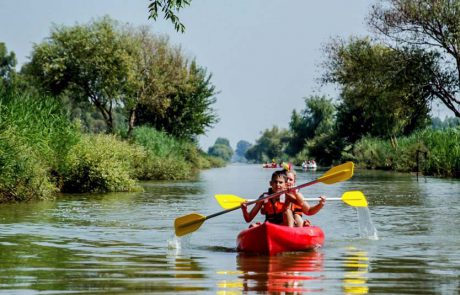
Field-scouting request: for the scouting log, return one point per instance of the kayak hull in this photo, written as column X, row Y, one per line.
column 271, row 239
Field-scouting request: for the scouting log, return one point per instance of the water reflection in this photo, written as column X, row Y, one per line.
column 355, row 267
column 293, row 273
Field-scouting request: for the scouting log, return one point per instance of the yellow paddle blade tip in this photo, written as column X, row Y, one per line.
column 189, row 223
column 229, row 201
column 338, row 173
column 355, row 199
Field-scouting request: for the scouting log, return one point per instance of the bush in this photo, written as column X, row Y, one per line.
column 23, row 176
column 101, row 163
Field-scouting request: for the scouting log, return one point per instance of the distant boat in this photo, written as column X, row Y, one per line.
column 270, row 165
column 309, row 165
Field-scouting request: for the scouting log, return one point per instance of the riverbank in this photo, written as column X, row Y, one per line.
column 433, row 152
column 43, row 152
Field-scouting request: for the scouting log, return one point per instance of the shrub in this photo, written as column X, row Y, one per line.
column 101, row 163
column 23, row 176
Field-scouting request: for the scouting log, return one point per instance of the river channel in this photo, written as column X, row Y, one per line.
column 124, row 243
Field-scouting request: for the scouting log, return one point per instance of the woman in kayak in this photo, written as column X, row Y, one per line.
column 299, row 206
column 274, row 208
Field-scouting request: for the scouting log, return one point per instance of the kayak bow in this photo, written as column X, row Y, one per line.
column 271, row 239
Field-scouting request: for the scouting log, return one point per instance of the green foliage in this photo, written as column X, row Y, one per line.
column 34, row 136
column 158, row 143
column 23, row 175
column 169, row 8
column 383, row 90
column 128, row 71
column 241, row 148
column 90, row 63
column 438, row 152
column 221, row 149
column 169, row 158
column 183, row 111
column 317, row 119
column 7, row 67
column 271, row 145
column 428, row 26
column 101, row 163
column 448, row 122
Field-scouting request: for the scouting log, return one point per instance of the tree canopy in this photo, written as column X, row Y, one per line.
column 129, row 70
column 7, row 66
column 317, row 118
column 221, row 149
column 383, row 90
column 429, row 26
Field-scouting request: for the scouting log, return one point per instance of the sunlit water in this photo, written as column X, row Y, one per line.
column 124, row 243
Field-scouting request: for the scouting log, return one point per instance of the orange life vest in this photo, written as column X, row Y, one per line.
column 273, row 210
column 296, row 209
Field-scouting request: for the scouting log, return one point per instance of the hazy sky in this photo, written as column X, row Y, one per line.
column 264, row 55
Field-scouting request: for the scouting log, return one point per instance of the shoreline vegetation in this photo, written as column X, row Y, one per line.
column 43, row 152
column 103, row 105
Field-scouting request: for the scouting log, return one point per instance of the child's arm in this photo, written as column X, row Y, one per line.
column 313, row 210
column 250, row 216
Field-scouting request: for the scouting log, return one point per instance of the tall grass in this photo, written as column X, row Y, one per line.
column 34, row 134
column 169, row 158
column 438, row 153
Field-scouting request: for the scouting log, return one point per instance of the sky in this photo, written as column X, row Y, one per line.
column 264, row 55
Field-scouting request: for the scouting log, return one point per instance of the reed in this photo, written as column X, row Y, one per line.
column 34, row 134
column 437, row 151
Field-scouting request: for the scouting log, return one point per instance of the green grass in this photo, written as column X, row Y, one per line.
column 438, row 152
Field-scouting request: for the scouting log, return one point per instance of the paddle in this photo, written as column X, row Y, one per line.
column 351, row 198
column 189, row 223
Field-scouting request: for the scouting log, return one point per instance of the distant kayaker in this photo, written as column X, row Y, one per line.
column 299, row 206
column 274, row 208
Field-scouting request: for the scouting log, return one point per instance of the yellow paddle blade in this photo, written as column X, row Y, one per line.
column 188, row 223
column 338, row 173
column 354, row 198
column 229, row 201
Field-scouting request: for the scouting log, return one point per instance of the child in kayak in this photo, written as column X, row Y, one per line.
column 299, row 206
column 274, row 208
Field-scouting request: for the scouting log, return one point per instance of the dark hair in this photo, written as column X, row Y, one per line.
column 279, row 173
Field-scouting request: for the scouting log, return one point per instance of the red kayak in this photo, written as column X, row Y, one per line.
column 271, row 239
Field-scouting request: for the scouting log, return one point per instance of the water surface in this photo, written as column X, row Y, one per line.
column 124, row 243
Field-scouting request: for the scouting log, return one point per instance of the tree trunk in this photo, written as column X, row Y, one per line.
column 132, row 119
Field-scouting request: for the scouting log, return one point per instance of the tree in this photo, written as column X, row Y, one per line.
column 384, row 91
column 317, row 118
column 126, row 70
column 270, row 145
column 427, row 25
column 90, row 62
column 188, row 111
column 7, row 66
column 221, row 149
column 169, row 9
column 241, row 147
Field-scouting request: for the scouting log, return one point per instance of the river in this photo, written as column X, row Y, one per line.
column 124, row 243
